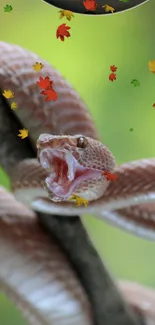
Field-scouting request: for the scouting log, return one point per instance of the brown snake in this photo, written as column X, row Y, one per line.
column 127, row 203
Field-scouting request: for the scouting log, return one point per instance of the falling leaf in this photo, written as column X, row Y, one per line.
column 113, row 68
column 112, row 76
column 37, row 66
column 14, row 105
column 108, row 8
column 50, row 93
column 110, row 176
column 153, row 105
column 23, row 133
column 8, row 94
column 152, row 66
column 66, row 13
column 131, row 129
column 79, row 200
column 90, row 5
column 62, row 32
column 135, row 82
column 8, row 8
column 45, row 83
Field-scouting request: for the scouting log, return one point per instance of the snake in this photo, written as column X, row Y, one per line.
column 70, row 161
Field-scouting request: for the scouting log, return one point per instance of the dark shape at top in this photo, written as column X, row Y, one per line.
column 78, row 7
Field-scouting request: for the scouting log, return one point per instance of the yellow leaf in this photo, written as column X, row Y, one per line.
column 8, row 94
column 14, row 105
column 38, row 66
column 23, row 134
column 108, row 8
column 66, row 13
column 79, row 200
column 152, row 66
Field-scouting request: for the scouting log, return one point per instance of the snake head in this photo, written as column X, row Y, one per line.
column 75, row 165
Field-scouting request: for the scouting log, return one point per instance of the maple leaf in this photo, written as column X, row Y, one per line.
column 50, row 93
column 79, row 200
column 152, row 66
column 23, row 133
column 135, row 82
column 8, row 8
column 14, row 105
column 112, row 76
column 66, row 13
column 44, row 83
column 108, row 8
column 113, row 68
column 37, row 66
column 109, row 176
column 8, row 94
column 153, row 105
column 90, row 5
column 62, row 32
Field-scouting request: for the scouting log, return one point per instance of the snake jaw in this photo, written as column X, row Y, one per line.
column 65, row 173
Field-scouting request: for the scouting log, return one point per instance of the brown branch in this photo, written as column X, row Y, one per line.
column 107, row 302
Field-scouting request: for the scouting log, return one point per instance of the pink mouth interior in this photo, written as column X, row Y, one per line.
column 65, row 173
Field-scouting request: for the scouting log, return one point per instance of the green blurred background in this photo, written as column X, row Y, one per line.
column 126, row 40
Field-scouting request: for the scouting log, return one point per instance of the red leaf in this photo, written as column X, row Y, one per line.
column 109, row 176
column 50, row 93
column 62, row 32
column 90, row 5
column 113, row 68
column 44, row 83
column 112, row 76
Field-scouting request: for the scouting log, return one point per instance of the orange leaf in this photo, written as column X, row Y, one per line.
column 62, row 32
column 112, row 76
column 50, row 93
column 44, row 83
column 90, row 5
column 109, row 176
column 113, row 68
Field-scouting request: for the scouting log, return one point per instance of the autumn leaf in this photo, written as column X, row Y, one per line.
column 50, row 93
column 113, row 68
column 66, row 13
column 108, row 8
column 135, row 82
column 14, row 105
column 152, row 66
column 8, row 94
column 8, row 8
column 44, row 83
column 62, row 32
column 23, row 133
column 79, row 200
column 37, row 66
column 153, row 105
column 112, row 76
column 109, row 176
column 90, row 5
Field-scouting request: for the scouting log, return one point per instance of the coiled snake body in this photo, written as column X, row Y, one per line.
column 72, row 161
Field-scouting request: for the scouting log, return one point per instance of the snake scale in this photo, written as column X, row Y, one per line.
column 69, row 142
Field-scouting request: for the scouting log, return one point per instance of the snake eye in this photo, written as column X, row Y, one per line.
column 82, row 142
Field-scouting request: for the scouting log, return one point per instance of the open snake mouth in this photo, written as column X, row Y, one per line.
column 65, row 172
